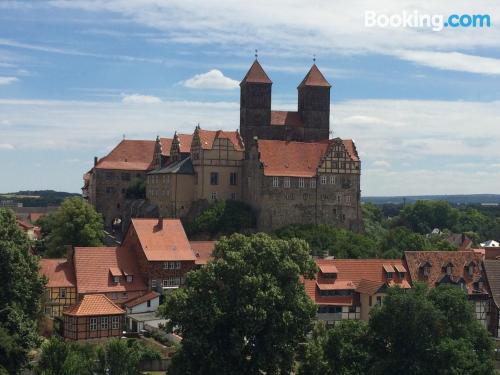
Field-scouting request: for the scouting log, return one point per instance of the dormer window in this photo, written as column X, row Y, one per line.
column 448, row 269
column 469, row 268
column 116, row 279
column 425, row 268
column 389, row 271
column 130, row 278
column 329, row 275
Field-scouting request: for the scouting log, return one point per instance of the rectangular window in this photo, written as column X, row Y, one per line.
column 62, row 293
column 370, row 301
column 233, row 196
column 313, row 183
column 305, row 196
column 165, row 265
column 286, row 182
column 148, row 303
column 171, row 281
column 114, row 295
column 214, row 195
column 301, row 182
column 93, row 324
column 233, row 178
column 116, row 279
column 348, row 199
column 276, row 182
column 154, row 283
column 323, row 180
column 379, row 300
column 115, row 322
column 332, row 180
column 104, row 322
column 129, row 278
column 177, row 265
column 339, row 198
column 214, row 178
column 125, row 176
column 324, row 197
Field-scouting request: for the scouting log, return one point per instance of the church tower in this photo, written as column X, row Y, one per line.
column 314, row 105
column 255, row 103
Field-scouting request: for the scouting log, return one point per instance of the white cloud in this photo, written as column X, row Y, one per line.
column 381, row 164
column 213, row 79
column 7, row 80
column 453, row 61
column 140, row 99
column 6, row 146
column 330, row 27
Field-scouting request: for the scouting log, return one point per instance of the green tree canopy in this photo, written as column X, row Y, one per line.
column 21, row 290
column 75, row 223
column 222, row 217
column 246, row 311
column 340, row 350
column 419, row 331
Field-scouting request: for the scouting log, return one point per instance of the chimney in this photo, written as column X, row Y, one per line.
column 95, row 160
column 159, row 226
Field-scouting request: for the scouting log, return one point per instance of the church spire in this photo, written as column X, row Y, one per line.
column 314, row 77
column 256, row 74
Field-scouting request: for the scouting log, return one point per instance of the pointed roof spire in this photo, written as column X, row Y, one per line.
column 314, row 78
column 256, row 74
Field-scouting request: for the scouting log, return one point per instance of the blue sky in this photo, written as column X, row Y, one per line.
column 422, row 106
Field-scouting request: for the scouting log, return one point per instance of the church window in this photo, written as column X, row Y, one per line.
column 276, row 182
column 286, row 182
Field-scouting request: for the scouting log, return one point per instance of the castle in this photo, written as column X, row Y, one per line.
column 282, row 163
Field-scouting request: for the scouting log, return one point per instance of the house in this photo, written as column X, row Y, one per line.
column 33, row 232
column 60, row 290
column 110, row 271
column 94, row 316
column 350, row 288
column 142, row 310
column 203, row 251
column 161, row 251
column 463, row 269
column 490, row 243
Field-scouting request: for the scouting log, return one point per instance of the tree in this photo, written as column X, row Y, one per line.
column 75, row 223
column 327, row 240
column 340, row 350
column 419, row 331
column 423, row 216
column 223, row 217
column 20, row 294
column 246, row 311
column 136, row 189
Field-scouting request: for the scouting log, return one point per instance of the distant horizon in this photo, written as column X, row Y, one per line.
column 77, row 75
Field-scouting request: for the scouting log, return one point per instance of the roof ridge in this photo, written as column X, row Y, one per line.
column 256, row 74
column 314, row 78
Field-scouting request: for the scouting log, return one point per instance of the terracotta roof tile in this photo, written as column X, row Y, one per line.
column 314, row 78
column 131, row 155
column 328, row 268
column 369, row 287
column 256, row 74
column 166, row 144
column 93, row 305
column 146, row 297
column 59, row 272
column 207, row 138
column 492, row 270
column 93, row 265
column 185, row 142
column 202, row 250
column 286, row 118
column 437, row 260
column 163, row 242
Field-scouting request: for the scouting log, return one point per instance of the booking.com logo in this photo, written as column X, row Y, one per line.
column 436, row 22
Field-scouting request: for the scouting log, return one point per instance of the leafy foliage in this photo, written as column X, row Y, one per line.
column 246, row 311
column 418, row 331
column 115, row 357
column 222, row 217
column 20, row 294
column 75, row 223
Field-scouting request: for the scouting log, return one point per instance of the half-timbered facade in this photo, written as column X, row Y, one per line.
column 60, row 290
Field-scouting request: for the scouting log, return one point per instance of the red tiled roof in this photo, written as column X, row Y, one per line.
column 286, row 118
column 256, row 74
column 437, row 260
column 202, row 250
column 185, row 142
column 369, row 287
column 146, row 297
column 350, row 273
column 328, row 268
column 131, row 155
column 93, row 265
column 166, row 144
column 314, row 78
column 163, row 242
column 207, row 138
column 59, row 272
column 93, row 305
column 34, row 216
column 296, row 159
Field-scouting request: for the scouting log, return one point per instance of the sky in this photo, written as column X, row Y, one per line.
column 77, row 76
